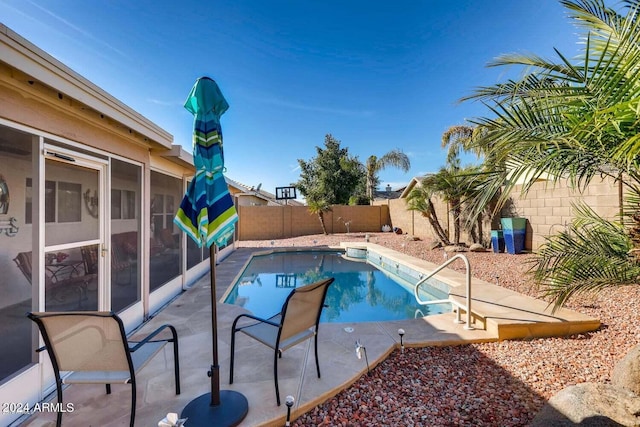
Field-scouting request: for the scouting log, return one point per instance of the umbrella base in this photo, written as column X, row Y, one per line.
column 232, row 409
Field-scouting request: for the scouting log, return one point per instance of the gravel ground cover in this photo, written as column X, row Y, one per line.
column 492, row 384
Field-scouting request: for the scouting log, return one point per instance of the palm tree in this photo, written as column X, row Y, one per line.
column 572, row 121
column 591, row 254
column 467, row 180
column 395, row 158
column 459, row 138
column 419, row 199
column 319, row 207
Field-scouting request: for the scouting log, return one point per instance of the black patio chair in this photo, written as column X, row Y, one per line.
column 91, row 347
column 297, row 321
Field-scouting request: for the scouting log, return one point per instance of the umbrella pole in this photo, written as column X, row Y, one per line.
column 214, row 373
column 218, row 408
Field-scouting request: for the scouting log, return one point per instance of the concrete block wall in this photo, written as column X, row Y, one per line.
column 411, row 222
column 261, row 222
column 278, row 222
column 550, row 208
column 547, row 207
column 414, row 223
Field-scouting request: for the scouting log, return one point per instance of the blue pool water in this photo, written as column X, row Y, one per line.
column 360, row 293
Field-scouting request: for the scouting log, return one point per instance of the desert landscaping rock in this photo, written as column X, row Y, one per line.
column 477, row 247
column 590, row 405
column 626, row 373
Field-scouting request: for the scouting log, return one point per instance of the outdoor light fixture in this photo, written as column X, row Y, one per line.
column 360, row 349
column 401, row 333
column 289, row 402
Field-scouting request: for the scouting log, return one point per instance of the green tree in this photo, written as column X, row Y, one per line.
column 332, row 176
column 394, row 158
column 573, row 120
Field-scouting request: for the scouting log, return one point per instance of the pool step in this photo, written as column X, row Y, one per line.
column 478, row 321
column 511, row 315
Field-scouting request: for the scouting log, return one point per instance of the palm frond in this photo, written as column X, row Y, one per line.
column 590, row 255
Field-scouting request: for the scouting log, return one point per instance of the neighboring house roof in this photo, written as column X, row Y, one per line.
column 416, row 180
column 388, row 193
column 243, row 190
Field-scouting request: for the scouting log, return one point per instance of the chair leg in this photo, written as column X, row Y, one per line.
column 133, row 402
column 176, row 357
column 233, row 346
column 275, row 375
column 59, row 393
column 316, row 351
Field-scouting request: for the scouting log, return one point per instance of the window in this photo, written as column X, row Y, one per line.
column 69, row 199
column 123, row 204
column 129, row 204
column 165, row 244
column 116, row 204
column 49, row 201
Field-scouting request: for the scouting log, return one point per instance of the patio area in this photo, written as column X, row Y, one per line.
column 500, row 308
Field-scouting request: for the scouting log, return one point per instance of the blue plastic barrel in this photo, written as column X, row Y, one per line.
column 514, row 232
column 497, row 241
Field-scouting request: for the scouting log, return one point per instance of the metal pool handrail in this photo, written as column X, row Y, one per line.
column 468, row 283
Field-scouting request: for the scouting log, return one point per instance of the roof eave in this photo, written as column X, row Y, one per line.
column 178, row 155
column 23, row 55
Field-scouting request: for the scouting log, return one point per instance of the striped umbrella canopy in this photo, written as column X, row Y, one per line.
column 207, row 213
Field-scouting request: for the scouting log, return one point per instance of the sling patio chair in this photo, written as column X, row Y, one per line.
column 297, row 321
column 91, row 347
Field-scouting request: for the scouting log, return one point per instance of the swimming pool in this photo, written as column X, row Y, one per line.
column 361, row 292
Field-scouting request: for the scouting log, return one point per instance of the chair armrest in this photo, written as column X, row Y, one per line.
column 256, row 318
column 149, row 337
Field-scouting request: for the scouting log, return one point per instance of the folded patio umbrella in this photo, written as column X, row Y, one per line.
column 207, row 214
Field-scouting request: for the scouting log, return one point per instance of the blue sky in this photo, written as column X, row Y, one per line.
column 376, row 75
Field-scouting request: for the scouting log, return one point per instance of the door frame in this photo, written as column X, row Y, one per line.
column 75, row 158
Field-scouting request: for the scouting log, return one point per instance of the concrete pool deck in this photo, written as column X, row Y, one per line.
column 505, row 313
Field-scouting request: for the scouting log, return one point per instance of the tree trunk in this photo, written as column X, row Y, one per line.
column 433, row 220
column 369, row 190
column 480, row 231
column 321, row 218
column 456, row 228
column 634, row 234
